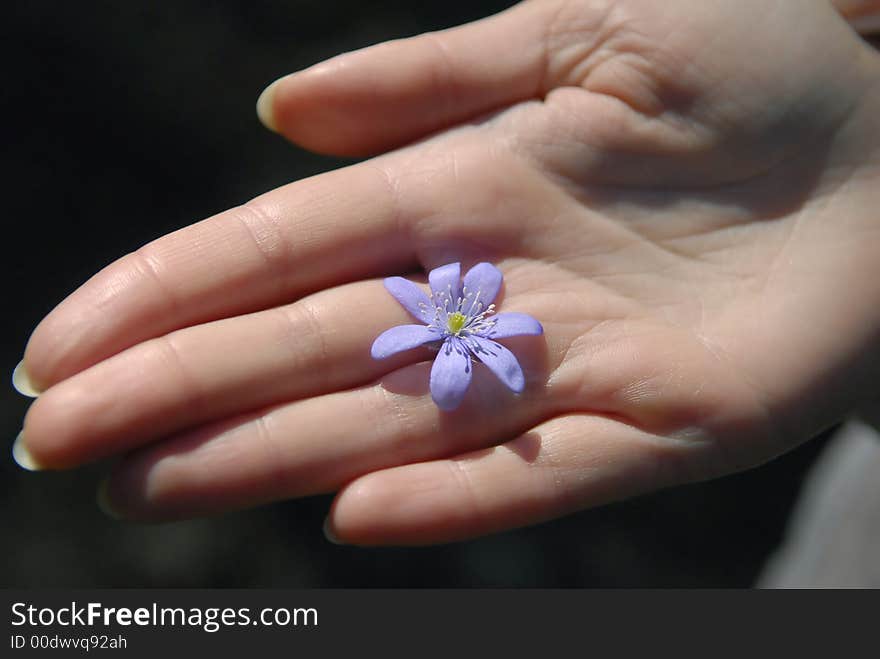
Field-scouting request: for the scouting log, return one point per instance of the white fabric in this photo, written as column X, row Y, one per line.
column 833, row 539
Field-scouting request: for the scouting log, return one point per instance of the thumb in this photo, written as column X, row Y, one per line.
column 375, row 99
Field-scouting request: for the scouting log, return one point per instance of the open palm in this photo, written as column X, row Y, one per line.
column 680, row 192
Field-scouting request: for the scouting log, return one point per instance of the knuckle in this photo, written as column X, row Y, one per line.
column 304, row 331
column 167, row 356
column 266, row 232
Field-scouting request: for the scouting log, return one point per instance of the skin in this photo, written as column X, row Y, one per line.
column 683, row 193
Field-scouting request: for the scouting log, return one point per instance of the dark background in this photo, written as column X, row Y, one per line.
column 125, row 120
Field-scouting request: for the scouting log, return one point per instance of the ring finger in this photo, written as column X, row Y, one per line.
column 318, row 444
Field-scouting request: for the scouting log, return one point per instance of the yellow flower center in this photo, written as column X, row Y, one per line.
column 455, row 322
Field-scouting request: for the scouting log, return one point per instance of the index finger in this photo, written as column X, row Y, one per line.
column 312, row 234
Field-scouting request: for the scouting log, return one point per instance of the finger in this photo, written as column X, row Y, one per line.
column 561, row 466
column 214, row 370
column 863, row 15
column 377, row 98
column 319, row 232
column 316, row 445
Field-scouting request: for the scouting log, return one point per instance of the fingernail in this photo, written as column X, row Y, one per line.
column 103, row 499
column 22, row 382
column 328, row 533
column 266, row 106
column 22, row 456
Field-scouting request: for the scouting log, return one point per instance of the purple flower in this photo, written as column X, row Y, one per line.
column 460, row 319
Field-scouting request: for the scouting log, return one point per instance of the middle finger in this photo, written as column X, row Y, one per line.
column 206, row 372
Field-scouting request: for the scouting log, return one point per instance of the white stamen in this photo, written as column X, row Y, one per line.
column 477, row 321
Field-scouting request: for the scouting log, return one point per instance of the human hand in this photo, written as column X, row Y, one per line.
column 679, row 192
column 863, row 15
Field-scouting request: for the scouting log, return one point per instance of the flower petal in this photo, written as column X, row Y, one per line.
column 500, row 361
column 411, row 297
column 450, row 374
column 483, row 281
column 513, row 324
column 400, row 338
column 445, row 283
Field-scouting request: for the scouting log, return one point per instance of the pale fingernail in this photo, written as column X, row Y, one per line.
column 266, row 106
column 328, row 533
column 22, row 456
column 22, row 382
column 103, row 499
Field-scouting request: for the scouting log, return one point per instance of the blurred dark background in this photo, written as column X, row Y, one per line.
column 125, row 120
